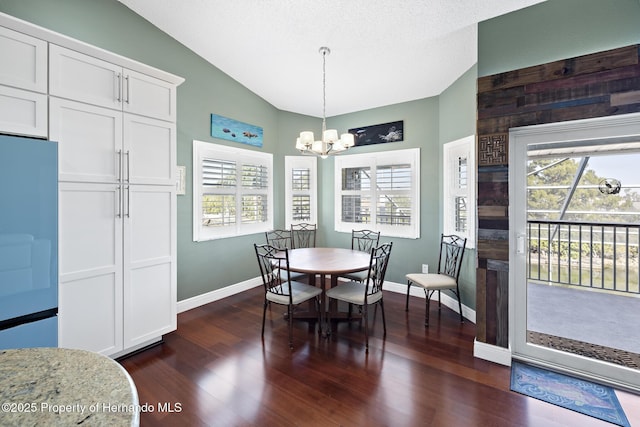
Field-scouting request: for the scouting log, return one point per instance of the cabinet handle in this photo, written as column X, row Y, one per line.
column 127, row 79
column 119, row 210
column 128, row 166
column 119, row 91
column 128, row 202
column 119, row 160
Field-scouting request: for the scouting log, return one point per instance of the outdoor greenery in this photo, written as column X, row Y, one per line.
column 598, row 233
column 588, row 204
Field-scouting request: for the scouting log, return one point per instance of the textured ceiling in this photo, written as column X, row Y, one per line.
column 382, row 51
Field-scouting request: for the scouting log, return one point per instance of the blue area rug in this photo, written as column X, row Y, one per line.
column 582, row 396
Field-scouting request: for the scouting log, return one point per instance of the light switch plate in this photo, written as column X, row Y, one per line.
column 182, row 172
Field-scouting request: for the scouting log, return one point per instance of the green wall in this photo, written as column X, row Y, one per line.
column 207, row 266
column 108, row 24
column 555, row 30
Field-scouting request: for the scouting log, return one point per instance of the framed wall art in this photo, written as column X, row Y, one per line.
column 379, row 134
column 233, row 130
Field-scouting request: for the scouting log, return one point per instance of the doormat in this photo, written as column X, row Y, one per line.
column 578, row 395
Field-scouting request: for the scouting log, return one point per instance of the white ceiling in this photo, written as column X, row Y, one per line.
column 382, row 51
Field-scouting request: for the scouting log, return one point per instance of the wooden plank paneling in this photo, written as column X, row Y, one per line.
column 562, row 69
column 493, row 211
column 624, row 98
column 494, row 249
column 481, row 302
column 597, row 85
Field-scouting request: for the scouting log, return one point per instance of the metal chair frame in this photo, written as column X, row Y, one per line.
column 280, row 239
column 371, row 288
column 274, row 264
column 303, row 235
column 449, row 263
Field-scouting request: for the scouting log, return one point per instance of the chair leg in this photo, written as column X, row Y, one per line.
column 460, row 306
column 290, row 312
column 319, row 316
column 384, row 322
column 366, row 329
column 264, row 314
column 427, row 297
column 406, row 304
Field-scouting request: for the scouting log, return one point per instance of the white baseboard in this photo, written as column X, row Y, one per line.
column 492, row 353
column 227, row 291
column 447, row 300
column 218, row 294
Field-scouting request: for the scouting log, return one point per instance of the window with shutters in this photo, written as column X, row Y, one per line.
column 233, row 191
column 379, row 191
column 459, row 189
column 300, row 190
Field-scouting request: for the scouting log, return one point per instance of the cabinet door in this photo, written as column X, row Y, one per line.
column 80, row 77
column 150, row 296
column 148, row 96
column 24, row 63
column 23, row 112
column 89, row 141
column 90, row 260
column 149, row 151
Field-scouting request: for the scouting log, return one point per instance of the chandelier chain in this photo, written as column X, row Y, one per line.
column 329, row 142
column 324, row 51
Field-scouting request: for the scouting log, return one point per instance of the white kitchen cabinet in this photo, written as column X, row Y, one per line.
column 23, row 84
column 90, row 313
column 89, row 140
column 23, row 112
column 134, row 157
column 149, row 263
column 24, row 63
column 74, row 75
column 114, row 121
column 117, row 265
column 103, row 145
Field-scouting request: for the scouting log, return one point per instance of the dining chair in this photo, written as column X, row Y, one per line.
column 273, row 263
column 446, row 277
column 303, row 235
column 367, row 292
column 281, row 239
column 364, row 241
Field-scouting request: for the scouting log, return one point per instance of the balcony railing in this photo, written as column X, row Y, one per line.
column 595, row 255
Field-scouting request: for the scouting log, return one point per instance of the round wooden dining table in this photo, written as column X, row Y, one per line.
column 332, row 262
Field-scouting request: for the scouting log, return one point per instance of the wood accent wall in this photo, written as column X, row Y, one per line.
column 601, row 84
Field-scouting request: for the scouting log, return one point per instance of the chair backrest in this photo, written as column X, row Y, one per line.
column 273, row 263
column 451, row 253
column 378, row 268
column 364, row 240
column 303, row 235
column 280, row 239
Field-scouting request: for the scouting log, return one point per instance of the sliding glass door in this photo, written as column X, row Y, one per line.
column 575, row 240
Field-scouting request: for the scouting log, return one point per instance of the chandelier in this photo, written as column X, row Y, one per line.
column 330, row 144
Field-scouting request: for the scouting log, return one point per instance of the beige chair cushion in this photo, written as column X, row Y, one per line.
column 352, row 292
column 300, row 292
column 432, row 281
column 358, row 276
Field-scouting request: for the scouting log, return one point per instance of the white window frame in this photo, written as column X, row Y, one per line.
column 373, row 161
column 301, row 162
column 452, row 151
column 207, row 150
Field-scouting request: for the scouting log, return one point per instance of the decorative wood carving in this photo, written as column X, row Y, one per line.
column 493, row 149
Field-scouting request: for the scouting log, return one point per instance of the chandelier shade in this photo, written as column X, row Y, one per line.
column 329, row 143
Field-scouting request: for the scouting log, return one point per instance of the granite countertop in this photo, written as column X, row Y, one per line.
column 63, row 387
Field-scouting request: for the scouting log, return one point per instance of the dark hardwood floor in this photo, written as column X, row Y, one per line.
column 216, row 371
